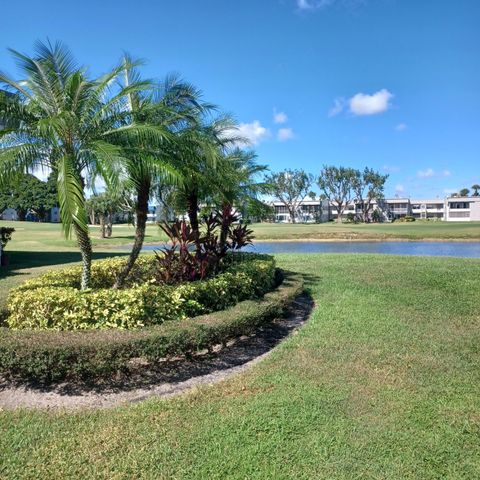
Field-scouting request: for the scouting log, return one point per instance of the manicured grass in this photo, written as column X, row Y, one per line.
column 376, row 231
column 382, row 383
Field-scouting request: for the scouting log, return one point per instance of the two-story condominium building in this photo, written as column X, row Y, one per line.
column 309, row 211
column 432, row 209
column 390, row 209
column 461, row 209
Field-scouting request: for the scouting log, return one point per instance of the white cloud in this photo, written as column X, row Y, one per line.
column 253, row 132
column 391, row 168
column 428, row 173
column 399, row 188
column 365, row 104
column 401, row 127
column 279, row 117
column 338, row 105
column 285, row 134
column 313, row 4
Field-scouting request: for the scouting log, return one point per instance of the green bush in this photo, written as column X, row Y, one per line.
column 54, row 302
column 52, row 356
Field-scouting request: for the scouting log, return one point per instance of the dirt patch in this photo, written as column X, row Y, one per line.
column 169, row 378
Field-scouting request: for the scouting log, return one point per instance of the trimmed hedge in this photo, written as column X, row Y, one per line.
column 53, row 356
column 54, row 302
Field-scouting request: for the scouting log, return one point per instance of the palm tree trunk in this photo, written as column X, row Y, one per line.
column 192, row 211
column 226, row 211
column 141, row 212
column 85, row 245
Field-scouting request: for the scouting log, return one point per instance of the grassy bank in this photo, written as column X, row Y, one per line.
column 383, row 382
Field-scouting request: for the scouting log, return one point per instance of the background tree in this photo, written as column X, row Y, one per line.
column 367, row 187
column 62, row 120
column 337, row 185
column 464, row 192
column 255, row 210
column 290, row 187
column 104, row 206
column 475, row 189
column 27, row 193
column 312, row 195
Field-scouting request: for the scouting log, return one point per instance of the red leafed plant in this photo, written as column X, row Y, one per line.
column 187, row 258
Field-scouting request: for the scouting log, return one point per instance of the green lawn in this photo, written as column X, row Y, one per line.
column 383, row 382
column 374, row 231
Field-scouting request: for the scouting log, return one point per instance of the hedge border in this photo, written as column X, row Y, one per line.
column 44, row 357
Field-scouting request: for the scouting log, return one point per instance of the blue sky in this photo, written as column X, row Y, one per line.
column 392, row 84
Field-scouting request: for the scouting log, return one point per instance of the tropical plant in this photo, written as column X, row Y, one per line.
column 172, row 106
column 464, row 192
column 475, row 189
column 234, row 184
column 199, row 149
column 62, row 120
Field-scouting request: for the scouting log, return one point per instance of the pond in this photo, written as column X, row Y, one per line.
column 436, row 249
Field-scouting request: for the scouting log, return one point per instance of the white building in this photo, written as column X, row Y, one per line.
column 449, row 209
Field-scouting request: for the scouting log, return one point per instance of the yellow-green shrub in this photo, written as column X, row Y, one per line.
column 52, row 301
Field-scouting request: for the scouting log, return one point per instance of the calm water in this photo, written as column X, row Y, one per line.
column 436, row 249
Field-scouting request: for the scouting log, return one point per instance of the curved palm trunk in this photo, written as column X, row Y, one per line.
column 141, row 212
column 192, row 211
column 85, row 245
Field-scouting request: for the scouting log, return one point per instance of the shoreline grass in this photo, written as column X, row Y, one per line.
column 382, row 382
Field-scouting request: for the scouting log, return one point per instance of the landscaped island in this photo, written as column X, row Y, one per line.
column 381, row 382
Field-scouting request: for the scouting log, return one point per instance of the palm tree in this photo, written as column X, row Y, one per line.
column 475, row 189
column 60, row 119
column 168, row 107
column 236, row 183
column 199, row 148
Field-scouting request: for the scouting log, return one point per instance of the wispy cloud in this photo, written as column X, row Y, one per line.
column 399, row 188
column 401, row 127
column 311, row 5
column 338, row 105
column 279, row 117
column 365, row 104
column 391, row 168
column 430, row 172
column 285, row 134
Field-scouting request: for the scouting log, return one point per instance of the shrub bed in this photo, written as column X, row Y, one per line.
column 54, row 302
column 53, row 356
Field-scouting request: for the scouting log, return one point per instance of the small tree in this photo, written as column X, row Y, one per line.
column 367, row 187
column 464, row 192
column 103, row 206
column 290, row 187
column 337, row 185
column 475, row 189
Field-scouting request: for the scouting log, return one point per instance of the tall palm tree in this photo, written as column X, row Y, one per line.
column 170, row 106
column 475, row 189
column 60, row 119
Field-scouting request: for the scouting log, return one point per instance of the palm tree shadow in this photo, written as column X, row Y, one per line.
column 20, row 260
